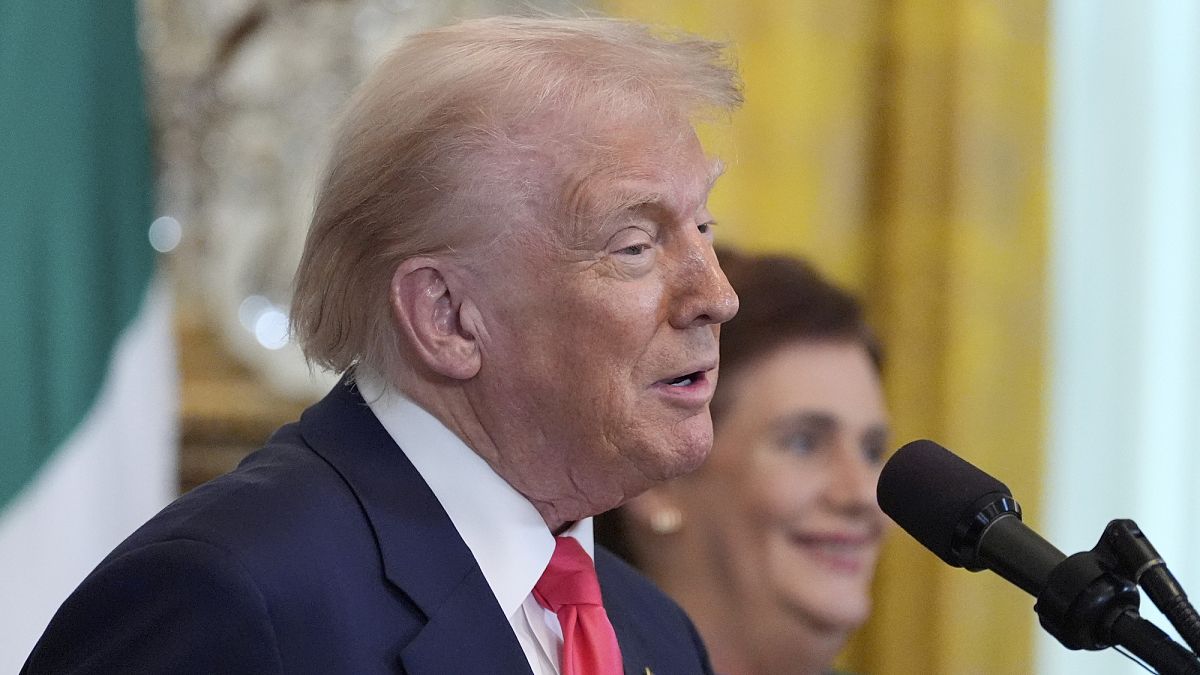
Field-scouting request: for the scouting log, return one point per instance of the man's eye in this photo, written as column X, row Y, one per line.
column 636, row 249
column 705, row 228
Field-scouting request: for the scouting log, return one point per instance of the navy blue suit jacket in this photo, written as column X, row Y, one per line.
column 323, row 552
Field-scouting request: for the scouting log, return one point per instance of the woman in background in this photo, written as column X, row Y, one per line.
column 771, row 545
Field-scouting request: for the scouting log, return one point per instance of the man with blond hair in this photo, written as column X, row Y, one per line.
column 511, row 261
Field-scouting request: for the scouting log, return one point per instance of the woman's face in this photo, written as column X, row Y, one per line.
column 784, row 510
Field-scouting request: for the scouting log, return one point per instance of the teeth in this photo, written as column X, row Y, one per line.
column 834, row 547
column 682, row 382
column 837, row 547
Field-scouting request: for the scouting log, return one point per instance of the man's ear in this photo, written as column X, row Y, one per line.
column 429, row 313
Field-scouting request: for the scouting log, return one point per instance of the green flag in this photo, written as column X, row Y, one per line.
column 87, row 374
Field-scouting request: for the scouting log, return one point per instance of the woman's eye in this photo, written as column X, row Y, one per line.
column 874, row 446
column 801, row 443
column 705, row 228
column 635, row 249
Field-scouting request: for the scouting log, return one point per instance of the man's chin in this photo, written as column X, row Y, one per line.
column 691, row 443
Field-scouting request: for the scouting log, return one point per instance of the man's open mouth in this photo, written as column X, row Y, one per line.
column 685, row 380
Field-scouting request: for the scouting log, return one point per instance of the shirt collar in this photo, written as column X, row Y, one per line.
column 504, row 531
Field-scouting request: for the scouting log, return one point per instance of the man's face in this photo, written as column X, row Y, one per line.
column 600, row 353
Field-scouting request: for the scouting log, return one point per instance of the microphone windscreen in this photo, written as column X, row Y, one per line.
column 929, row 491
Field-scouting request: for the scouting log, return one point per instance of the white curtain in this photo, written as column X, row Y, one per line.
column 1124, row 437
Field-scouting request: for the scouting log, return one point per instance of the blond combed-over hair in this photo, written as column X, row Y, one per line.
column 422, row 145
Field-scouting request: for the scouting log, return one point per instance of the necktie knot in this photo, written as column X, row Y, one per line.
column 569, row 579
column 569, row 588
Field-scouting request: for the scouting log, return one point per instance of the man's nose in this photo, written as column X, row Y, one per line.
column 703, row 294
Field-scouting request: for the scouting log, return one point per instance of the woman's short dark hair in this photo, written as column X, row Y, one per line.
column 784, row 300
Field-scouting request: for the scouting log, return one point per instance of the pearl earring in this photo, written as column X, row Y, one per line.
column 666, row 521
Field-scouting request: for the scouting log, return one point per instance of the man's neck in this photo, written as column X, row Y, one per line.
column 458, row 411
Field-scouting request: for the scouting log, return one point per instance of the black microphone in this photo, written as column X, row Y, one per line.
column 966, row 517
column 971, row 520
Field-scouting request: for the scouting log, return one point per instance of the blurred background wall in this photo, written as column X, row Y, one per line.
column 1124, row 352
column 1009, row 185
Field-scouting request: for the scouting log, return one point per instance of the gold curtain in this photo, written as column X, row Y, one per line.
column 901, row 145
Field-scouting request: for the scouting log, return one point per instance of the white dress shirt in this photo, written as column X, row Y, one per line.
column 504, row 531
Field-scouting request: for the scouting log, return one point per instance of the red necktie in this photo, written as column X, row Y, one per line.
column 569, row 588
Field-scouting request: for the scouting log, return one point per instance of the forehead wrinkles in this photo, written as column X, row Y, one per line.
column 574, row 173
column 614, row 184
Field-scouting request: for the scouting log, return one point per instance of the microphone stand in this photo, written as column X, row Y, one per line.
column 1090, row 602
column 1135, row 557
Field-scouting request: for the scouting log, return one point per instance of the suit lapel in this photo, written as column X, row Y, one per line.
column 422, row 553
column 634, row 656
column 460, row 637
